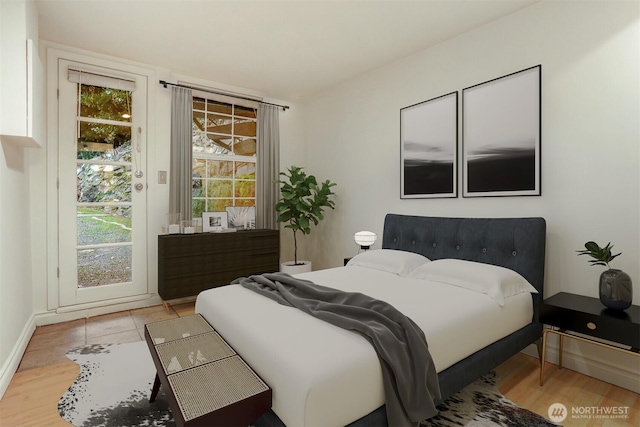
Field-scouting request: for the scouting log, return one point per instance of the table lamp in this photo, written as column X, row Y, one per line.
column 365, row 239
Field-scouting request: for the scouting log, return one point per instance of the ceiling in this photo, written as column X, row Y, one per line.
column 288, row 50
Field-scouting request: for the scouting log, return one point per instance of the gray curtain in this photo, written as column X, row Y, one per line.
column 181, row 152
column 268, row 167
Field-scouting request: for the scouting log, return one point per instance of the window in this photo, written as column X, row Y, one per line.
column 224, row 156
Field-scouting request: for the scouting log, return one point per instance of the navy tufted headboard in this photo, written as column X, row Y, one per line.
column 515, row 243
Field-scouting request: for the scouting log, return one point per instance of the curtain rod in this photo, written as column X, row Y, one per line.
column 165, row 84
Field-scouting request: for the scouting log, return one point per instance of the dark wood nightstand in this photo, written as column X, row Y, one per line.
column 568, row 314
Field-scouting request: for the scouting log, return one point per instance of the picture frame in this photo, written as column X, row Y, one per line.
column 501, row 135
column 429, row 148
column 241, row 217
column 214, row 221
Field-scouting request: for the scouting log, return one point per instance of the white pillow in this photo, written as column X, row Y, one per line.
column 497, row 282
column 397, row 262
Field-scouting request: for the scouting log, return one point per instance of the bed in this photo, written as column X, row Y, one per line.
column 324, row 375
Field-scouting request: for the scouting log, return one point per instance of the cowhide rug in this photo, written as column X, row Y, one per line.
column 115, row 381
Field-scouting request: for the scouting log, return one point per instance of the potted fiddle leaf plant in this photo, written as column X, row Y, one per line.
column 302, row 201
column 616, row 290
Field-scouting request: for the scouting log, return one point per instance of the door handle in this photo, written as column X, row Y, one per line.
column 139, row 186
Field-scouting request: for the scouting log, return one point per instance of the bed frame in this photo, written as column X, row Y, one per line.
column 514, row 243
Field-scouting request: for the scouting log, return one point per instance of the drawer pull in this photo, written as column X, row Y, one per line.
column 591, row 326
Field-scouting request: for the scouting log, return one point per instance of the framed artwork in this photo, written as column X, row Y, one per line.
column 501, row 129
column 214, row 221
column 241, row 217
column 429, row 148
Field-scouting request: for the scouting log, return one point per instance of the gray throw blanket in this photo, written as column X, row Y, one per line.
column 410, row 379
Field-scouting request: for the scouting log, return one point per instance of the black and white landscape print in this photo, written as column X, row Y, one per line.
column 428, row 148
column 501, row 136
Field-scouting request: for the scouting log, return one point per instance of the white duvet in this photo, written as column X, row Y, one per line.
column 322, row 375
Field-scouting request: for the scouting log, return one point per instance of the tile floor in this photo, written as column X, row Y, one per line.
column 50, row 343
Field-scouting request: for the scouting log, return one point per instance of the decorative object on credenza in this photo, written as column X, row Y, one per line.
column 214, row 221
column 241, row 217
column 191, row 226
column 616, row 289
column 501, row 133
column 365, row 239
column 302, row 201
column 429, row 148
column 173, row 223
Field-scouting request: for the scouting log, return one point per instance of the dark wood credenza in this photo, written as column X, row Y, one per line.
column 191, row 263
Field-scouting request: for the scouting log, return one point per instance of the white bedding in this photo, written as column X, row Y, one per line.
column 322, row 375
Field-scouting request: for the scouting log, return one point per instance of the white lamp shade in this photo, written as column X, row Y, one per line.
column 365, row 238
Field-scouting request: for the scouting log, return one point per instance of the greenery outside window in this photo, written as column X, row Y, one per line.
column 224, row 156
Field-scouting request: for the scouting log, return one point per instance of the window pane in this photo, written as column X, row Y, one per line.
column 245, row 189
column 219, row 124
column 244, row 127
column 218, row 144
column 218, row 205
column 198, row 104
column 105, row 103
column 219, row 188
column 104, row 266
column 198, row 207
column 244, row 146
column 103, row 224
column 110, row 141
column 198, row 121
column 196, row 188
column 219, row 169
column 245, row 170
column 245, row 112
column 199, row 168
column 245, row 202
column 219, row 107
column 104, row 183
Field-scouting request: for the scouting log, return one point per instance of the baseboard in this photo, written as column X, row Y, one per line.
column 10, row 366
column 83, row 311
column 617, row 374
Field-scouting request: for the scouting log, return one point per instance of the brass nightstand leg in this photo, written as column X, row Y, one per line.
column 561, row 351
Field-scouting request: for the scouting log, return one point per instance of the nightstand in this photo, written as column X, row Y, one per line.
column 568, row 314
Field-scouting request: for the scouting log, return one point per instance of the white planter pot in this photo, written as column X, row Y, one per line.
column 290, row 268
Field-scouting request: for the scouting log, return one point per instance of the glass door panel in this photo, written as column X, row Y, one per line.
column 104, row 176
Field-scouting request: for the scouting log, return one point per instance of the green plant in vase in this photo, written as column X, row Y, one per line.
column 616, row 289
column 302, row 202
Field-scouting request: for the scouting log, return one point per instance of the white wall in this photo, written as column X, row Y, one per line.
column 18, row 21
column 589, row 53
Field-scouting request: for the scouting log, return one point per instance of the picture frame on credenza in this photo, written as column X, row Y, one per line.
column 214, row 221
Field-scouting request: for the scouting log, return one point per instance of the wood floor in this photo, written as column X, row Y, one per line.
column 45, row 373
